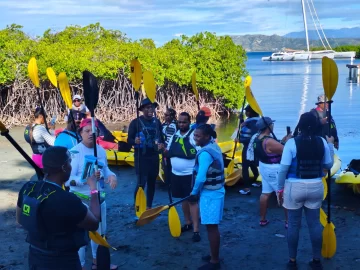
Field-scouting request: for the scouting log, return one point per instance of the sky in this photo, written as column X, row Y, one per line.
column 163, row 20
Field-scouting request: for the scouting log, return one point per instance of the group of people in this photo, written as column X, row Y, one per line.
column 193, row 165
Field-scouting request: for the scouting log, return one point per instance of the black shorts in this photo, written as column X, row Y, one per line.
column 181, row 185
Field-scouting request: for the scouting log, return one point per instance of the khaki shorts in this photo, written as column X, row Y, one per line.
column 299, row 194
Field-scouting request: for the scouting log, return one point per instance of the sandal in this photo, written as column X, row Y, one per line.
column 112, row 266
column 186, row 227
column 264, row 222
column 245, row 192
column 256, row 185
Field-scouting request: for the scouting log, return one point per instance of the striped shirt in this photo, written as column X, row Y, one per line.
column 40, row 135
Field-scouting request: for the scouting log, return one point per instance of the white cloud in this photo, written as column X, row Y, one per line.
column 178, row 35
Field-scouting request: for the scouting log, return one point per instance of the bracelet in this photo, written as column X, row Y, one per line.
column 280, row 191
column 95, row 191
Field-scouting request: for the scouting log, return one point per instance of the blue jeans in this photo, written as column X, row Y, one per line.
column 315, row 230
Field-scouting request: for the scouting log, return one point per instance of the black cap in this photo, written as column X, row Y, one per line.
column 146, row 102
column 55, row 157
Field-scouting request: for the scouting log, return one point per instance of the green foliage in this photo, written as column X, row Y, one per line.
column 219, row 63
column 343, row 48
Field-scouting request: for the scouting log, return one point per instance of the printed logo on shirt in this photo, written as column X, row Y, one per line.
column 26, row 210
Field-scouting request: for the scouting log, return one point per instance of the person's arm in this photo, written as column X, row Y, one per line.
column 160, row 133
column 92, row 218
column 272, row 146
column 205, row 161
column 74, row 179
column 19, row 204
column 132, row 132
column 286, row 159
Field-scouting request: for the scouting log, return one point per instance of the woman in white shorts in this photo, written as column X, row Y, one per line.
column 302, row 165
column 268, row 151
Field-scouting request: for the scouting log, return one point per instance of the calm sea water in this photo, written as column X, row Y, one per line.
column 285, row 90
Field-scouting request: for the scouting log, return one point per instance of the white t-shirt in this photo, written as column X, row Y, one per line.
column 289, row 153
column 181, row 166
column 77, row 164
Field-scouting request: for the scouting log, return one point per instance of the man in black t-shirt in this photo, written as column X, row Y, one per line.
column 147, row 145
column 56, row 220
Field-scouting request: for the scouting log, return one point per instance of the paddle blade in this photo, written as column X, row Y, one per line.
column 2, row 127
column 65, row 89
column 50, row 73
column 98, row 239
column 140, row 202
column 248, row 81
column 33, row 72
column 91, row 91
column 150, row 86
column 330, row 77
column 193, row 83
column 135, row 73
column 252, row 101
column 325, row 187
column 230, row 167
column 329, row 242
column 174, row 222
column 150, row 215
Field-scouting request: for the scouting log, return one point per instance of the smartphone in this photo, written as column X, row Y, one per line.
column 288, row 130
column 53, row 121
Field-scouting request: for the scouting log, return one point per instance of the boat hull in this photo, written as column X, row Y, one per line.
column 345, row 55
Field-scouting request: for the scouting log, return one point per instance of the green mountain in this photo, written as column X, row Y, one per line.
column 258, row 43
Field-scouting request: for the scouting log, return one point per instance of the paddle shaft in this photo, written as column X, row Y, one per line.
column 267, row 126
column 179, row 201
column 329, row 172
column 38, row 171
column 198, row 104
column 73, row 122
column 42, row 108
column 138, row 134
column 238, row 132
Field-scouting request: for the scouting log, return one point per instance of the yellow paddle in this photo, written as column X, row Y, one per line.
column 330, row 77
column 173, row 217
column 52, row 76
column 140, row 198
column 151, row 214
column 98, row 239
column 66, row 95
column 194, row 88
column 34, row 77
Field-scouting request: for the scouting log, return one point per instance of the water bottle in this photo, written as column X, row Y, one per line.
column 142, row 140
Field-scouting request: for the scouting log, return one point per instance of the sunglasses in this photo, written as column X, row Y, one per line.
column 77, row 100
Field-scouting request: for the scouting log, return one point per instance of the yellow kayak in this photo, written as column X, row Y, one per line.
column 120, row 136
column 116, row 158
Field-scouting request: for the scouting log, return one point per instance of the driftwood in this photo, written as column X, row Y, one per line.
column 116, row 101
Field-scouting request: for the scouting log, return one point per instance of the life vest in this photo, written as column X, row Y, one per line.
column 215, row 178
column 37, row 148
column 149, row 135
column 168, row 131
column 247, row 130
column 308, row 163
column 34, row 195
column 68, row 133
column 261, row 155
column 181, row 147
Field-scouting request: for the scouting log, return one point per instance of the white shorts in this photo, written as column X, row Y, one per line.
column 269, row 175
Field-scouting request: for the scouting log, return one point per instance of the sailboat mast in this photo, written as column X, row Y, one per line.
column 305, row 25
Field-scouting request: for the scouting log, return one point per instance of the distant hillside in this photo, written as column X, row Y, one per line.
column 274, row 43
column 330, row 33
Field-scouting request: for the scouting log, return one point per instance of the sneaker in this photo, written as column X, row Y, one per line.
column 291, row 265
column 256, row 185
column 210, row 266
column 264, row 222
column 315, row 265
column 196, row 237
column 245, row 192
column 186, row 227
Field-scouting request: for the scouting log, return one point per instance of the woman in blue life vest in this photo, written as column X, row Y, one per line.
column 248, row 129
column 268, row 151
column 182, row 151
column 145, row 135
column 69, row 137
column 209, row 188
column 38, row 137
column 303, row 162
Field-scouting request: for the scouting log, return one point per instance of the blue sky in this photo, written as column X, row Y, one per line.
column 163, row 20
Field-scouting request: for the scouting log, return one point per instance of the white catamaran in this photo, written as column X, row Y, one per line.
column 310, row 55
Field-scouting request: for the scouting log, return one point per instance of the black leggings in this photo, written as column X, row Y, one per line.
column 149, row 170
column 246, row 164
